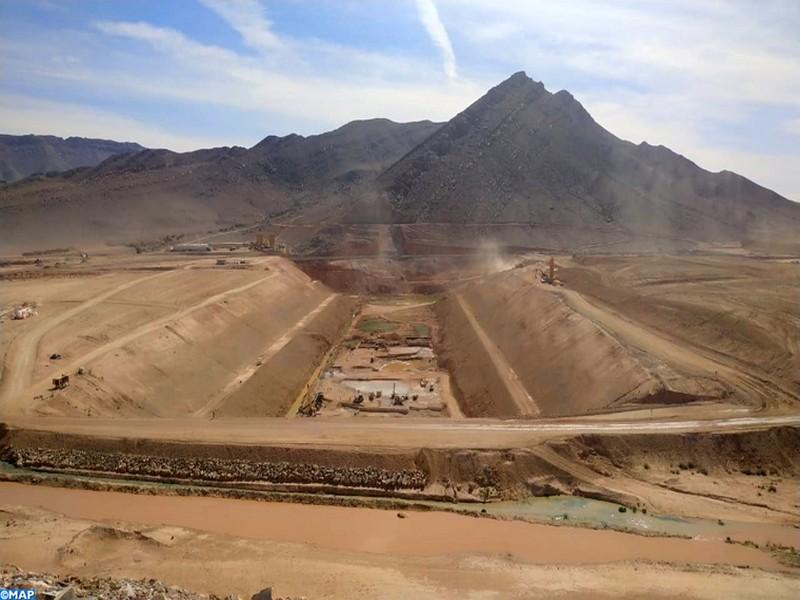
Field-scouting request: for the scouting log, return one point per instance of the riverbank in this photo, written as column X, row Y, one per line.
column 223, row 546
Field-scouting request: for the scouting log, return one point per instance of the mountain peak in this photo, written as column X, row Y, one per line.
column 519, row 76
column 519, row 80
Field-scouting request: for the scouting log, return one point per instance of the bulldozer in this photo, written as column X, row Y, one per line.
column 59, row 383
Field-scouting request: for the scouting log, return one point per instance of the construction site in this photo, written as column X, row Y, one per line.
column 596, row 396
column 386, row 364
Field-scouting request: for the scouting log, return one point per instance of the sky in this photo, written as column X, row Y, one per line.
column 715, row 80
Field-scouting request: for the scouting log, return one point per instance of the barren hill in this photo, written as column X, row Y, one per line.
column 150, row 194
column 520, row 168
column 537, row 162
column 24, row 155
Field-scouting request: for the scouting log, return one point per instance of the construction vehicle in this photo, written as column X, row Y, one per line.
column 59, row 383
column 550, row 276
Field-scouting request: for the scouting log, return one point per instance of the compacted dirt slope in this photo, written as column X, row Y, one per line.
column 625, row 330
column 742, row 312
column 565, row 361
column 168, row 343
column 281, row 381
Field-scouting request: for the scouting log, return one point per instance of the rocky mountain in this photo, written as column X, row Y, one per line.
column 154, row 193
column 521, row 168
column 531, row 160
column 24, row 155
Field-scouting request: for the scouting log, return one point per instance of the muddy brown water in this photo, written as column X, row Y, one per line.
column 381, row 531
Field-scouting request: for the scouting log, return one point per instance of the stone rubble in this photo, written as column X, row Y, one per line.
column 54, row 587
column 216, row 469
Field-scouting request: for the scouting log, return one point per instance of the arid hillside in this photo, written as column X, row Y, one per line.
column 521, row 168
column 24, row 155
column 522, row 156
column 143, row 197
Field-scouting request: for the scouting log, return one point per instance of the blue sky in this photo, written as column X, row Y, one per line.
column 717, row 81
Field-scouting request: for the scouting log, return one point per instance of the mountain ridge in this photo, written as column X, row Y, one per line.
column 521, row 154
column 24, row 155
column 520, row 167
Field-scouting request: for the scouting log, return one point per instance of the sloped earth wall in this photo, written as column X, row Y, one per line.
column 444, row 474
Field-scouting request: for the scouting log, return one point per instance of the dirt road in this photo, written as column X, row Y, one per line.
column 401, row 433
column 527, row 405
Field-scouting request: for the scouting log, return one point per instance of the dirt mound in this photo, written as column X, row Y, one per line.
column 103, row 542
column 102, row 534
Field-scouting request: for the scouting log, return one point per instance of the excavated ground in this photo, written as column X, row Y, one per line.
column 386, row 365
column 752, row 475
column 167, row 335
column 695, row 338
column 182, row 337
column 162, row 335
column 620, row 333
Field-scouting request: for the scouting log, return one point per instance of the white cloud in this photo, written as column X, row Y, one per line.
column 201, row 73
column 429, row 16
column 167, row 40
column 21, row 115
column 792, row 126
column 249, row 19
